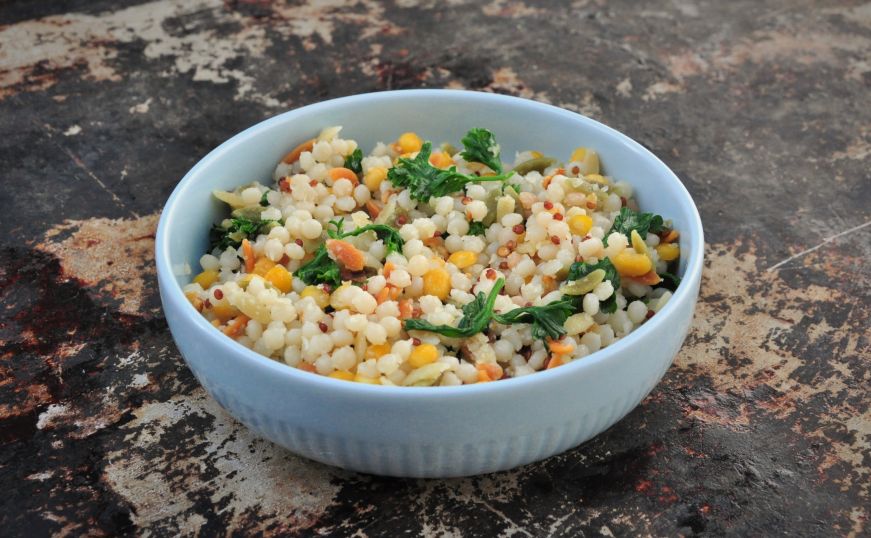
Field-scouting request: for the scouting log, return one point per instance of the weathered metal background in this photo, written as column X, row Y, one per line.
column 761, row 427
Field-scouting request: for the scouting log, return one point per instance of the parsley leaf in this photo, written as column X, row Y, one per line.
column 264, row 201
column 609, row 305
column 354, row 161
column 320, row 270
column 481, row 147
column 239, row 228
column 476, row 316
column 579, row 270
column 548, row 321
column 424, row 180
column 669, row 281
column 629, row 220
column 393, row 242
column 477, row 227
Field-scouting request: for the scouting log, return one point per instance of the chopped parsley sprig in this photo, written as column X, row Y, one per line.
column 476, row 316
column 629, row 220
column 481, row 147
column 324, row 270
column 393, row 242
column 548, row 321
column 237, row 229
column 423, row 180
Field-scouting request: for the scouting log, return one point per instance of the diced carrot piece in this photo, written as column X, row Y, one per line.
column 346, row 254
column 650, row 278
column 405, row 309
column 489, row 372
column 395, row 293
column 235, row 327
column 670, row 237
column 342, row 172
column 383, row 295
column 560, row 347
column 294, row 154
column 387, row 268
column 248, row 252
column 306, row 367
column 373, row 208
column 555, row 360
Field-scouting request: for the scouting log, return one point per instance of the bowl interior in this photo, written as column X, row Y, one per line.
column 437, row 115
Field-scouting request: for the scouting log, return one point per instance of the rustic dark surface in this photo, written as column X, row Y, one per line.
column 761, row 427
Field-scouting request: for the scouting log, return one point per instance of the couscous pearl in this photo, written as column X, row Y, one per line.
column 392, row 325
column 209, row 263
column 388, row 363
column 603, row 290
column 637, row 311
column 375, row 333
column 344, row 358
column 342, row 187
column 324, row 365
column 356, row 323
column 311, row 229
column 399, row 278
column 591, row 304
column 402, row 348
column 364, row 303
column 342, row 337
column 251, row 195
column 592, row 340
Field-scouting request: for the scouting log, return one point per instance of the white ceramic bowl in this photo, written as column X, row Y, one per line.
column 424, row 431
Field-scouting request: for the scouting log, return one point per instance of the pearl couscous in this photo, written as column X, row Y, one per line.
column 416, row 266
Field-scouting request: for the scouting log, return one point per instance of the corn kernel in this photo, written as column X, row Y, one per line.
column 377, row 351
column 463, row 258
column 632, row 264
column 437, row 282
column 668, row 251
column 263, row 265
column 279, row 277
column 588, row 159
column 322, row 298
column 580, row 224
column 422, row 355
column 368, row 380
column 374, row 177
column 409, row 142
column 637, row 243
column 440, row 159
column 206, row 279
column 343, row 375
column 225, row 311
column 194, row 300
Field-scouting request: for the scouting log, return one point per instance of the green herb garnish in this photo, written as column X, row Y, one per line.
column 669, row 281
column 477, row 227
column 424, row 180
column 264, row 201
column 238, row 229
column 481, row 147
column 548, row 321
column 629, row 220
column 476, row 316
column 579, row 270
column 320, row 270
column 393, row 242
column 354, row 161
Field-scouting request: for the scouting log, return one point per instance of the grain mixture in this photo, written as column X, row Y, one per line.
column 420, row 266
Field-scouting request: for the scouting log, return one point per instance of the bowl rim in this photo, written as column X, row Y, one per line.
column 172, row 293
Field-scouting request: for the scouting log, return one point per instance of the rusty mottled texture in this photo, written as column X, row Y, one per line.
column 761, row 427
